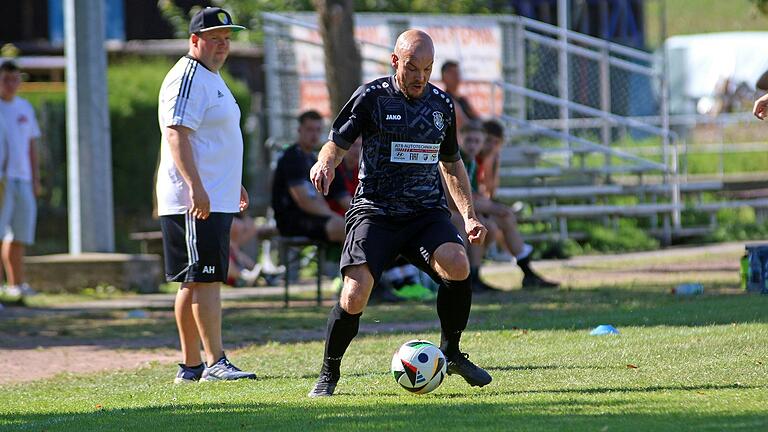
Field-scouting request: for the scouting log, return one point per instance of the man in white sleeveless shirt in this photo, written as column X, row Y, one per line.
column 199, row 190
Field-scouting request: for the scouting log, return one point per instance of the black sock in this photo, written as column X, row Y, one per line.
column 454, row 300
column 342, row 328
column 525, row 266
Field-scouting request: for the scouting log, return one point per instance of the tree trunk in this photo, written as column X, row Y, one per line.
column 343, row 71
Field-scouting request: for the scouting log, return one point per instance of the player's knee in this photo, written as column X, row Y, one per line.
column 452, row 262
column 358, row 283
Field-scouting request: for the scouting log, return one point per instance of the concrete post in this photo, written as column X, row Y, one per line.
column 89, row 155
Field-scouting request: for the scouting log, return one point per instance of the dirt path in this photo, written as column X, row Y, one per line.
column 33, row 364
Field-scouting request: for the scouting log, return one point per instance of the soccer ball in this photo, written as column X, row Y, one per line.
column 419, row 366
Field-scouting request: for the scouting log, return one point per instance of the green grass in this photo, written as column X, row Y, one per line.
column 697, row 363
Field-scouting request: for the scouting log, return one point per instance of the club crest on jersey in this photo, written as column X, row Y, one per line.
column 437, row 116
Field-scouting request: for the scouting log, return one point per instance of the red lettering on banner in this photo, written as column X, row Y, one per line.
column 314, row 95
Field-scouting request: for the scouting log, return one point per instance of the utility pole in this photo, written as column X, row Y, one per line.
column 89, row 153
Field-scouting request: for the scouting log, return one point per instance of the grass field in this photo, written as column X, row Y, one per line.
column 680, row 363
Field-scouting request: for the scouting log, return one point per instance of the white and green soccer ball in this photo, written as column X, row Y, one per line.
column 419, row 366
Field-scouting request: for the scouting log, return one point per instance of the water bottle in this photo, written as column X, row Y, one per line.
column 688, row 289
column 744, row 269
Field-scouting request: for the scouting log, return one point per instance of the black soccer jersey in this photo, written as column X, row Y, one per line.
column 403, row 140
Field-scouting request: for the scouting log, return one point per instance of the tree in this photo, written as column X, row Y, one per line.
column 343, row 70
column 762, row 5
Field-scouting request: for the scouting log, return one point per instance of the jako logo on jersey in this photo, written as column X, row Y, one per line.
column 394, row 117
column 209, row 269
column 221, row 95
column 437, row 116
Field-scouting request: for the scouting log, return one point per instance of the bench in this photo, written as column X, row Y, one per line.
column 146, row 239
column 284, row 243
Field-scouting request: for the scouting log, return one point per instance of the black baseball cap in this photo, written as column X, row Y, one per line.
column 212, row 18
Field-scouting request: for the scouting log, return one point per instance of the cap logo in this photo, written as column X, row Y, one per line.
column 222, row 18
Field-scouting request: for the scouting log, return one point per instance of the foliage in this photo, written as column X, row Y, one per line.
column 739, row 224
column 248, row 12
column 133, row 85
column 628, row 237
column 762, row 5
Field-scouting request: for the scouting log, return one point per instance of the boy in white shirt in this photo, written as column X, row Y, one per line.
column 22, row 185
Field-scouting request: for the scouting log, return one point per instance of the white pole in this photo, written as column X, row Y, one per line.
column 89, row 156
column 562, row 22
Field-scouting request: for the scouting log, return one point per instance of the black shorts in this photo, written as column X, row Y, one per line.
column 196, row 250
column 378, row 240
column 302, row 224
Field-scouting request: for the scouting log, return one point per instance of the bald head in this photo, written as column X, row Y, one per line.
column 412, row 41
column 412, row 59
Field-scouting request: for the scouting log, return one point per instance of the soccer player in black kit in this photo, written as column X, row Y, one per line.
column 408, row 128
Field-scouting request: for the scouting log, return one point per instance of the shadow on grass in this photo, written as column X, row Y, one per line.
column 345, row 413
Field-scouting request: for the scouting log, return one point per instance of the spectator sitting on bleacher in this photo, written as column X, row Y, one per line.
column 450, row 75
column 471, row 140
column 243, row 269
column 299, row 209
column 489, row 158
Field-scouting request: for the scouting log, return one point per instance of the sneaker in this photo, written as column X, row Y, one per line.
column 187, row 374
column 249, row 276
column 472, row 374
column 534, row 281
column 223, row 370
column 325, row 385
column 416, row 292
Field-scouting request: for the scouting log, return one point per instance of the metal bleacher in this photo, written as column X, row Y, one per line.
column 573, row 107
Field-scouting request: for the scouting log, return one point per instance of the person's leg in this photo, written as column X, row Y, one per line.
column 436, row 249
column 476, row 254
column 454, row 297
column 13, row 258
column 344, row 319
column 369, row 246
column 343, row 324
column 185, row 322
column 206, row 309
column 454, row 301
column 507, row 223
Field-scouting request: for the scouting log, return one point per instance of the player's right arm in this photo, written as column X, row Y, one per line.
column 346, row 128
column 181, row 151
column 324, row 170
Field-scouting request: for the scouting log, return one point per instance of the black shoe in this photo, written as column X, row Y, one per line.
column 534, row 281
column 472, row 374
column 325, row 385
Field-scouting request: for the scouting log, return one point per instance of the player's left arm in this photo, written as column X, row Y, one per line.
column 457, row 183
